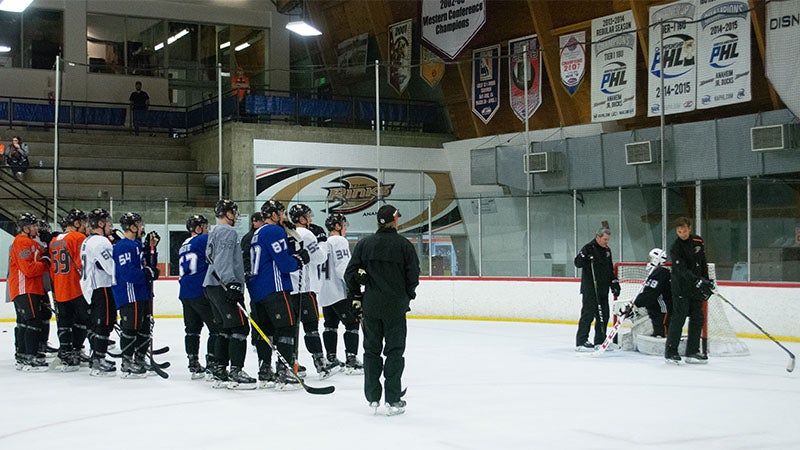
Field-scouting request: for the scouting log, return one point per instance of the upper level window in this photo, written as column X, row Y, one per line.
column 31, row 39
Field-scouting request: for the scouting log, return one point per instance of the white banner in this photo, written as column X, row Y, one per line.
column 399, row 72
column 352, row 55
column 613, row 67
column 573, row 59
column 516, row 75
column 783, row 48
column 723, row 53
column 673, row 37
column 448, row 25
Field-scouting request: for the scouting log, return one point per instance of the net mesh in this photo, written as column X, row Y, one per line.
column 722, row 340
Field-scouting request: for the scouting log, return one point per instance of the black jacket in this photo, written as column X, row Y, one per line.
column 603, row 268
column 656, row 286
column 392, row 270
column 688, row 266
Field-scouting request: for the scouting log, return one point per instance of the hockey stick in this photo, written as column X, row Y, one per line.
column 596, row 296
column 157, row 351
column 789, row 367
column 157, row 368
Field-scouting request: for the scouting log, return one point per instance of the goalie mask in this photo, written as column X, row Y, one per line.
column 657, row 257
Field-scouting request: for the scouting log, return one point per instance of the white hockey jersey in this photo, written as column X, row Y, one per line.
column 97, row 259
column 332, row 271
column 318, row 254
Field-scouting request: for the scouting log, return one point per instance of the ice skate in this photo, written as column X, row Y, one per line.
column 696, row 358
column 238, row 379
column 353, row 366
column 132, row 369
column 286, row 381
column 102, row 367
column 197, row 371
column 395, row 408
column 266, row 377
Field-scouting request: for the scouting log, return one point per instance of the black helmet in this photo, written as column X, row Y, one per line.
column 271, row 206
column 195, row 221
column 333, row 219
column 75, row 214
column 299, row 210
column 96, row 216
column 128, row 219
column 44, row 226
column 25, row 219
column 223, row 206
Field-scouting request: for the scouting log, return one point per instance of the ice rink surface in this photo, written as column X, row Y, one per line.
column 471, row 385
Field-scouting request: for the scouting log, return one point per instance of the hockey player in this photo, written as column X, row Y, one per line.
column 656, row 294
column 196, row 306
column 27, row 264
column 333, row 297
column 45, row 235
column 271, row 286
column 690, row 288
column 597, row 276
column 72, row 310
column 132, row 296
column 98, row 277
column 302, row 281
column 223, row 285
column 392, row 276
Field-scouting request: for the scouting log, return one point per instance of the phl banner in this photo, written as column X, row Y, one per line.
column 723, row 53
column 399, row 72
column 448, row 25
column 783, row 47
column 573, row 59
column 486, row 82
column 673, row 34
column 431, row 67
column 613, row 67
column 517, row 81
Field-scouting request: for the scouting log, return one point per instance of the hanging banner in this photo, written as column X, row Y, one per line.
column 613, row 67
column 352, row 55
column 573, row 59
column 431, row 67
column 723, row 53
column 448, row 25
column 485, row 82
column 516, row 75
column 673, row 37
column 400, row 55
column 783, row 46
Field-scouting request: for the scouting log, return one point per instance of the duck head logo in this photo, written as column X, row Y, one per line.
column 355, row 192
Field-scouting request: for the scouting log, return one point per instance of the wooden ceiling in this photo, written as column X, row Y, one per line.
column 510, row 19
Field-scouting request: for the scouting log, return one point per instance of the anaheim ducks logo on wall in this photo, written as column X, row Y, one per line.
column 356, row 192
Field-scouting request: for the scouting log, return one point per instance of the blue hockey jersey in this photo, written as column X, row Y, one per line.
column 131, row 284
column 272, row 262
column 193, row 267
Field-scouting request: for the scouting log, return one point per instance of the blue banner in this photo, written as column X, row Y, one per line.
column 486, row 82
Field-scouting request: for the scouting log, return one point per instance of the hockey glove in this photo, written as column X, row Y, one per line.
column 615, row 288
column 356, row 302
column 302, row 257
column 363, row 278
column 151, row 273
column 625, row 310
column 318, row 231
column 234, row 293
column 152, row 239
column 706, row 288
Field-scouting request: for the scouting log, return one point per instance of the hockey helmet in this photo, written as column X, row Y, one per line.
column 333, row 219
column 195, row 221
column 271, row 206
column 225, row 206
column 657, row 257
column 298, row 211
column 75, row 214
column 129, row 219
column 96, row 216
column 26, row 219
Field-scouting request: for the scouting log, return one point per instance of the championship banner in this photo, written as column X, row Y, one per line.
column 399, row 72
column 673, row 37
column 485, row 82
column 516, row 75
column 431, row 68
column 573, row 59
column 723, row 53
column 448, row 25
column 614, row 67
column 352, row 55
column 783, row 46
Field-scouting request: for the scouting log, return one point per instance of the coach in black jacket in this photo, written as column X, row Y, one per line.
column 597, row 276
column 392, row 276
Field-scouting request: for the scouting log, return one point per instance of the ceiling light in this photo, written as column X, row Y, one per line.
column 225, row 45
column 14, row 5
column 242, row 46
column 177, row 36
column 302, row 28
column 158, row 46
column 4, row 49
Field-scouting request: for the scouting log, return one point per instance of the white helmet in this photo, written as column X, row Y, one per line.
column 657, row 257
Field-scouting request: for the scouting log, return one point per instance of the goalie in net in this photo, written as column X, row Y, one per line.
column 646, row 293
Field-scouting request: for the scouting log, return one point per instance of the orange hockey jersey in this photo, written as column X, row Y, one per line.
column 25, row 268
column 65, row 265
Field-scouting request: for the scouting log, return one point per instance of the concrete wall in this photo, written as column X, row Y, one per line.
column 773, row 306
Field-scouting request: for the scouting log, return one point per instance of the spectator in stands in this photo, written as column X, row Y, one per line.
column 16, row 156
column 140, row 101
column 241, row 87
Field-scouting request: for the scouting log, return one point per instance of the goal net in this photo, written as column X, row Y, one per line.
column 718, row 334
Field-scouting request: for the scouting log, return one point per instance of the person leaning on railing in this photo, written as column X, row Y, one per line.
column 16, row 156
